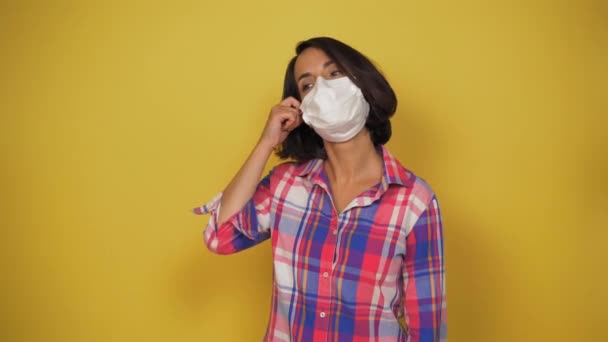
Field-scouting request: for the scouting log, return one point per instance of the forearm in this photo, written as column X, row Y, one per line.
column 283, row 118
column 242, row 187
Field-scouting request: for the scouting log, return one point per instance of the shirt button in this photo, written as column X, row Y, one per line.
column 325, row 274
column 322, row 314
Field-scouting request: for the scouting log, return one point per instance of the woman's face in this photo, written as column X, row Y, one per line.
column 310, row 64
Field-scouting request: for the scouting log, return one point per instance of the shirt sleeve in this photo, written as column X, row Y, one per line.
column 245, row 228
column 424, row 278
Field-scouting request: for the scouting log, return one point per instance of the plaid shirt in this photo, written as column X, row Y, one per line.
column 349, row 276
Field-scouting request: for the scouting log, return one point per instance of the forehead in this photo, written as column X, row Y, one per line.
column 310, row 60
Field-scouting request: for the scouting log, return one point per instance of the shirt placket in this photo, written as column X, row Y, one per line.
column 326, row 274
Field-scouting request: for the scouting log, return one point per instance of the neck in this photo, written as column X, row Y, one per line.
column 353, row 160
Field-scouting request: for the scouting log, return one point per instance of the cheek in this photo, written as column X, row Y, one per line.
column 299, row 92
column 302, row 94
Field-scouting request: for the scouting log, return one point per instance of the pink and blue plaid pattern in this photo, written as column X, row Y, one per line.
column 347, row 276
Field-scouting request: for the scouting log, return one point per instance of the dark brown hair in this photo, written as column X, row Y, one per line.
column 303, row 143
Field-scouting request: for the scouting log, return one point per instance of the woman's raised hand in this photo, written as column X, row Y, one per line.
column 283, row 118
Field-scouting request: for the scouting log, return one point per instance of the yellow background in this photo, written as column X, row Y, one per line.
column 119, row 117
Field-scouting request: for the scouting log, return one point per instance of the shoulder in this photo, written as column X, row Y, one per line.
column 423, row 189
column 284, row 172
column 283, row 178
column 414, row 188
column 283, row 169
column 419, row 190
column 418, row 198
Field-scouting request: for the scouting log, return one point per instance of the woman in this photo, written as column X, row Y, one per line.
column 357, row 238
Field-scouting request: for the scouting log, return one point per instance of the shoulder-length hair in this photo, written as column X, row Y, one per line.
column 303, row 143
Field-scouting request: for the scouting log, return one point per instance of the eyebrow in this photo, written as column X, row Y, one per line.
column 306, row 74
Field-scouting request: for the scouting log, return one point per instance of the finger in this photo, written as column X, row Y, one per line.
column 297, row 119
column 297, row 122
column 285, row 109
column 288, row 117
column 291, row 102
column 288, row 120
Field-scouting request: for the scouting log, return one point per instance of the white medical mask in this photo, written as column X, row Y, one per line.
column 335, row 109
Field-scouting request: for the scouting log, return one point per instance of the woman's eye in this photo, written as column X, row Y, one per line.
column 336, row 73
column 306, row 86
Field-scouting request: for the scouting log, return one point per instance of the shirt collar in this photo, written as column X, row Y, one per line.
column 394, row 172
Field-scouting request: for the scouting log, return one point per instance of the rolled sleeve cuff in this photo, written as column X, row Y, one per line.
column 210, row 207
